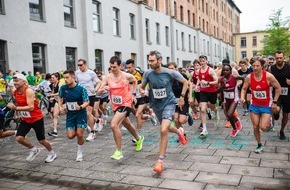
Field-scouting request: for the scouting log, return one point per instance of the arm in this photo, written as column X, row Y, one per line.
column 103, row 85
column 244, row 88
column 29, row 99
column 273, row 81
column 214, row 76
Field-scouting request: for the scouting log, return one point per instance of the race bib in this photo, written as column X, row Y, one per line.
column 159, row 93
column 71, row 106
column 260, row 94
column 116, row 99
column 204, row 85
column 25, row 114
column 284, row 91
column 229, row 95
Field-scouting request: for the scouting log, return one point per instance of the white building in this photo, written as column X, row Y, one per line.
column 50, row 35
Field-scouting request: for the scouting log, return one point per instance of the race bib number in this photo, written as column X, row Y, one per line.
column 229, row 95
column 284, row 91
column 260, row 94
column 117, row 99
column 24, row 114
column 204, row 85
column 71, row 106
column 159, row 93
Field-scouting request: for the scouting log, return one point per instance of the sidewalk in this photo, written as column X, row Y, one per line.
column 218, row 162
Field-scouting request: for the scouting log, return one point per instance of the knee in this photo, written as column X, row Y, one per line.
column 70, row 136
column 203, row 109
column 114, row 126
column 19, row 139
column 42, row 141
column 164, row 131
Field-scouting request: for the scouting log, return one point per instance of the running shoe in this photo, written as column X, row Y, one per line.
column 200, row 127
column 153, row 119
column 33, row 154
column 181, row 136
column 158, row 167
column 234, row 132
column 117, row 155
column 236, row 114
column 91, row 137
column 80, row 157
column 190, row 120
column 246, row 112
column 282, row 135
column 259, row 149
column 209, row 114
column 100, row 125
column 195, row 116
column 51, row 157
column 239, row 125
column 139, row 143
column 228, row 124
column 54, row 134
column 203, row 134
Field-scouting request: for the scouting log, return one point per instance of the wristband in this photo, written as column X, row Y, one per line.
column 134, row 94
column 274, row 102
column 81, row 107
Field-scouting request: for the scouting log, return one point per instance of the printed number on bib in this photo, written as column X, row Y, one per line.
column 24, row 114
column 229, row 95
column 116, row 99
column 260, row 94
column 204, row 85
column 284, row 91
column 159, row 93
column 71, row 106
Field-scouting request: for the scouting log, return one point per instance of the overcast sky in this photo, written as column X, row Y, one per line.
column 255, row 13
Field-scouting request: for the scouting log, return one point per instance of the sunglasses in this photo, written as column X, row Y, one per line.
column 79, row 65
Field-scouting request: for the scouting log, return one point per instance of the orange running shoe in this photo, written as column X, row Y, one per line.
column 195, row 116
column 158, row 167
column 181, row 136
column 236, row 114
column 228, row 124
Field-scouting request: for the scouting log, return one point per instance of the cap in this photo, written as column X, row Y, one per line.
column 270, row 57
column 19, row 76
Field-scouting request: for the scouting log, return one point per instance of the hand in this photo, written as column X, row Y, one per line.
column 288, row 81
column 134, row 100
column 181, row 103
column 11, row 106
column 242, row 100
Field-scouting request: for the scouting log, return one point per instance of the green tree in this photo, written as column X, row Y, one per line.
column 279, row 35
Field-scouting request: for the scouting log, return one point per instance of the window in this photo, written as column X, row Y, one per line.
column 118, row 54
column 166, row 7
column 194, row 44
column 208, row 48
column 254, row 41
column 157, row 33
column 243, row 54
column 134, row 57
column 147, row 26
column 202, row 5
column 36, row 10
column 206, row 8
column 182, row 41
column 193, row 19
column 132, row 26
column 177, row 40
column 157, row 5
column 243, row 42
column 189, row 43
column 99, row 59
column 254, row 52
column 188, row 17
column 116, row 22
column 68, row 13
column 70, row 57
column 175, row 9
column 181, row 13
column 3, row 56
column 38, row 56
column 207, row 29
column 215, row 50
column 203, row 25
column 167, row 35
column 2, row 10
column 97, row 16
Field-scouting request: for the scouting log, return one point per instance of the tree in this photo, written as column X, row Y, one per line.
column 279, row 35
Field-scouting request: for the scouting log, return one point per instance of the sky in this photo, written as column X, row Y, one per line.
column 255, row 13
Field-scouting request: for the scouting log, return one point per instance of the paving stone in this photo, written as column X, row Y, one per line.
column 264, row 183
column 196, row 151
column 37, row 174
column 180, row 165
column 141, row 180
column 232, row 153
column 179, row 174
column 135, row 187
column 100, row 183
column 240, row 161
column 251, row 148
column 106, row 176
column 10, row 185
column 206, row 159
column 140, row 162
column 74, row 172
column 209, row 167
column 283, row 149
column 218, row 178
column 252, row 171
column 278, row 143
column 107, row 167
column 282, row 164
column 179, row 184
column 282, row 173
column 273, row 156
column 225, row 187
column 137, row 171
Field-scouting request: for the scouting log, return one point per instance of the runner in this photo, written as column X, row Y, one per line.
column 31, row 118
column 262, row 104
column 162, row 100
column 117, row 82
column 76, row 98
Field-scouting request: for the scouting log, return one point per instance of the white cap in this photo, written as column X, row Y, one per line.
column 19, row 76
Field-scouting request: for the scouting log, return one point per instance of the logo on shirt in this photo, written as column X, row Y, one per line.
column 258, row 87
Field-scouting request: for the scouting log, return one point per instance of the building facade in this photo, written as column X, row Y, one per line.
column 249, row 44
column 50, row 35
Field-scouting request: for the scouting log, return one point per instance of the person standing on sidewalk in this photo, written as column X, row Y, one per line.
column 76, row 98
column 162, row 100
column 88, row 79
column 281, row 72
column 262, row 103
column 31, row 118
column 118, row 83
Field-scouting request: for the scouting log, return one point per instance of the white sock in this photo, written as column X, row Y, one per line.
column 33, row 149
column 80, row 148
column 55, row 130
column 204, row 128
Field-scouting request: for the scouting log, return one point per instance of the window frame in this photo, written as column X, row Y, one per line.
column 243, row 42
column 158, row 33
column 132, row 24
column 147, row 29
column 42, row 59
column 72, row 16
column 98, row 15
column 40, row 10
column 99, row 54
column 167, row 35
column 116, row 22
column 2, row 7
column 70, row 63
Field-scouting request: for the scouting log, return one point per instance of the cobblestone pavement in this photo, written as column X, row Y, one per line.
column 217, row 162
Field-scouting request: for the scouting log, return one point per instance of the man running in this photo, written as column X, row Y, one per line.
column 162, row 100
column 31, row 118
column 76, row 98
column 262, row 105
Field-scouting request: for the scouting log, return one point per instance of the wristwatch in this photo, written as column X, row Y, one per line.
column 274, row 102
column 182, row 95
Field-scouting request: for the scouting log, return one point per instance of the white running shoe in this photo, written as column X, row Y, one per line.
column 100, row 125
column 79, row 157
column 51, row 157
column 91, row 137
column 32, row 155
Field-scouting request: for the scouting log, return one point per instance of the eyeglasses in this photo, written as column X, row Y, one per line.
column 79, row 65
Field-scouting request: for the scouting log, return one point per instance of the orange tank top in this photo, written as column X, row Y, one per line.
column 120, row 94
column 27, row 116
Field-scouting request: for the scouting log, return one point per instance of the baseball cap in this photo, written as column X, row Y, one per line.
column 19, row 76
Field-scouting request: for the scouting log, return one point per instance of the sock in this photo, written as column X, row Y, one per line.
column 259, row 144
column 15, row 132
column 55, row 130
column 51, row 152
column 161, row 158
column 80, row 148
column 33, row 149
column 203, row 127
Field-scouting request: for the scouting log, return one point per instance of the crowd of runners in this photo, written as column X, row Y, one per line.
column 168, row 96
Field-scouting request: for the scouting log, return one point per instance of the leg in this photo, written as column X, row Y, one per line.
column 115, row 123
column 256, row 122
